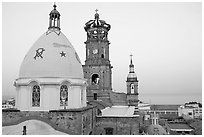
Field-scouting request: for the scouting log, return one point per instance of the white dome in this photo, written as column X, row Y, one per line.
column 56, row 57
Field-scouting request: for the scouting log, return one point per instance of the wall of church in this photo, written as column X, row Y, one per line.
column 74, row 97
column 76, row 121
column 50, row 97
column 120, row 125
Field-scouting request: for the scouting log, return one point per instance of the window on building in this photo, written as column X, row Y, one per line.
column 95, row 79
column 156, row 131
column 36, row 96
column 132, row 88
column 102, row 56
column 190, row 113
column 63, row 95
column 109, row 131
column 95, row 96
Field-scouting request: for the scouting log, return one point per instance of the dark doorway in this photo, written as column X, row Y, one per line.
column 24, row 130
column 95, row 96
column 109, row 131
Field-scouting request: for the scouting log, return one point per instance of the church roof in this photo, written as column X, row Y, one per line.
column 165, row 107
column 52, row 55
column 179, row 127
column 119, row 111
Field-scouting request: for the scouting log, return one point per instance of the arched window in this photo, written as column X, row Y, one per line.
column 63, row 95
column 36, row 96
column 95, row 79
column 102, row 56
column 132, row 86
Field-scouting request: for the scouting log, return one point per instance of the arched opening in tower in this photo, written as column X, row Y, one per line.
column 95, row 79
column 102, row 56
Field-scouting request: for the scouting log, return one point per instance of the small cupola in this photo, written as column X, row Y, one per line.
column 54, row 20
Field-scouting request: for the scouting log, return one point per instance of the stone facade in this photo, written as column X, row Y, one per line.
column 97, row 68
column 118, row 125
column 71, row 121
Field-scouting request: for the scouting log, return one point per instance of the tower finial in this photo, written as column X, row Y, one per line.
column 131, row 58
column 54, row 5
column 96, row 15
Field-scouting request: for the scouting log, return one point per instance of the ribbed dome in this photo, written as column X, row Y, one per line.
column 156, row 130
column 52, row 55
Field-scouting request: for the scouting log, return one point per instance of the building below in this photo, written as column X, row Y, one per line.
column 179, row 128
column 190, row 110
column 117, row 120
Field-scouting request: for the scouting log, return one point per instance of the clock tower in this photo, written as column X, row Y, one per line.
column 97, row 68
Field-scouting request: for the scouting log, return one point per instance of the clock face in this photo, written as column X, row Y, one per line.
column 95, row 51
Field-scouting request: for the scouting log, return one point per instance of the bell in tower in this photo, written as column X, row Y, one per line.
column 97, row 68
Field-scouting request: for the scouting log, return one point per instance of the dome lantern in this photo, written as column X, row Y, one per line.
column 54, row 20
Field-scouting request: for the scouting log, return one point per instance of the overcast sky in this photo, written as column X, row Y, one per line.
column 164, row 38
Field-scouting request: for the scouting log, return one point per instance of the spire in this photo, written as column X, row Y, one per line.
column 54, row 6
column 131, row 66
column 96, row 15
column 54, row 20
column 131, row 59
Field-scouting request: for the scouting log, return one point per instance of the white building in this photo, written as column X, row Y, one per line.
column 190, row 111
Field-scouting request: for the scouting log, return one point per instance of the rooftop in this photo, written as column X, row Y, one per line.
column 179, row 127
column 164, row 107
column 119, row 111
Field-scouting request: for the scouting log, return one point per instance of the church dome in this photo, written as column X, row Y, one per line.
column 156, row 130
column 52, row 55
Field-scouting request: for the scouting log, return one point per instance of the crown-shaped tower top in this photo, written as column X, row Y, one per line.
column 97, row 29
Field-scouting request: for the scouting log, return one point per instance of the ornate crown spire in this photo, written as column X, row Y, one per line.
column 97, row 30
column 54, row 20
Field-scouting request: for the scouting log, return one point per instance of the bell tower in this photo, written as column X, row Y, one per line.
column 132, row 86
column 97, row 68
